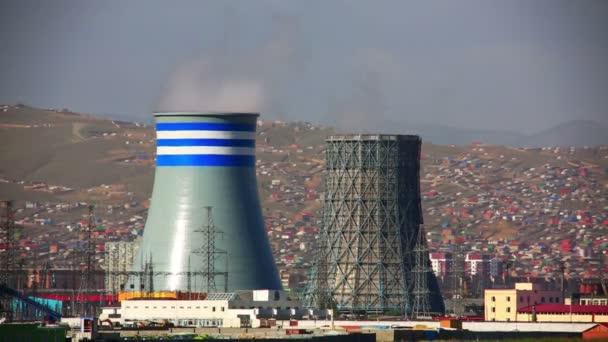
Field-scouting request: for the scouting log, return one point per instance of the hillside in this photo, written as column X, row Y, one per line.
column 494, row 197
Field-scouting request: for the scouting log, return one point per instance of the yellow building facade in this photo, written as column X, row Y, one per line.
column 501, row 305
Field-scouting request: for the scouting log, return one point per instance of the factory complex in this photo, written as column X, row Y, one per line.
column 205, row 262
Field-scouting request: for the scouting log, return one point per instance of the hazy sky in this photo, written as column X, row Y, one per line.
column 517, row 65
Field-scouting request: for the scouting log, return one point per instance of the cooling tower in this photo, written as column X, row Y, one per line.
column 371, row 221
column 205, row 165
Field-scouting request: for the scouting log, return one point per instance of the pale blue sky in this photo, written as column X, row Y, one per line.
column 516, row 65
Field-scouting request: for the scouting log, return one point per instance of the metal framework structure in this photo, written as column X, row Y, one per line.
column 422, row 295
column 119, row 259
column 457, row 281
column 209, row 253
column 88, row 262
column 7, row 233
column 371, row 220
column 6, row 255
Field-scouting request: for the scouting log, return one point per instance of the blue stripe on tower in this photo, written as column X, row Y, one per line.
column 204, row 126
column 234, row 160
column 206, row 142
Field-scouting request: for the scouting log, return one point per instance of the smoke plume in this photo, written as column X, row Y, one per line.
column 231, row 80
column 203, row 86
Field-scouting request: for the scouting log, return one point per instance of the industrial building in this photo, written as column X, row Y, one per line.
column 563, row 313
column 372, row 220
column 205, row 230
column 504, row 304
column 235, row 309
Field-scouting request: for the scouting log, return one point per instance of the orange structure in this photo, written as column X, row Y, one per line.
column 161, row 295
column 599, row 331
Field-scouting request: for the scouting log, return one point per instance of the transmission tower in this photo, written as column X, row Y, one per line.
column 457, row 280
column 87, row 281
column 421, row 306
column 7, row 239
column 317, row 294
column 6, row 256
column 209, row 253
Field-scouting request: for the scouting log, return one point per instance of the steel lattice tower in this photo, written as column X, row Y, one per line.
column 457, row 280
column 7, row 239
column 317, row 293
column 87, row 281
column 371, row 219
column 6, row 256
column 421, row 307
column 209, row 253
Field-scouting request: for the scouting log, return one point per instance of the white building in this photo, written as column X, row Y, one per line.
column 237, row 309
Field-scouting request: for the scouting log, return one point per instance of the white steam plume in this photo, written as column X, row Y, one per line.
column 196, row 87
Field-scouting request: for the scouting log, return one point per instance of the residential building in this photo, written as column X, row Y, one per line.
column 476, row 264
column 440, row 263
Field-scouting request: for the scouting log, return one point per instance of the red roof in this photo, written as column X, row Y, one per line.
column 563, row 308
column 474, row 256
column 437, row 255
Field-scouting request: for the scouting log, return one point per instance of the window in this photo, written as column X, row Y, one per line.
column 493, row 309
column 542, row 299
column 213, row 309
column 508, row 309
column 223, row 309
column 521, row 298
column 550, row 299
column 493, row 298
column 508, row 298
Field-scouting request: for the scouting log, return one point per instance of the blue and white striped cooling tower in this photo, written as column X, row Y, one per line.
column 205, row 160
